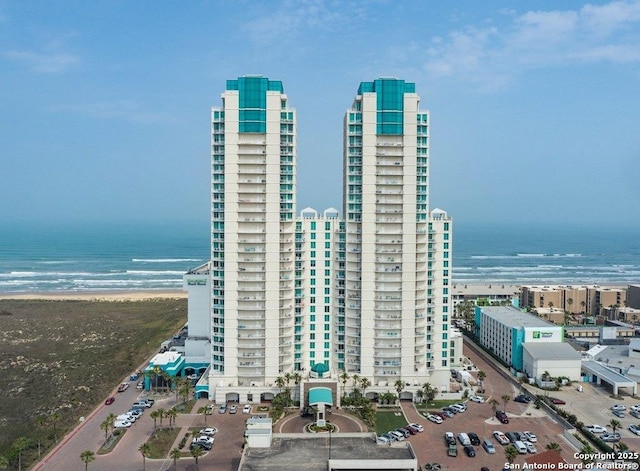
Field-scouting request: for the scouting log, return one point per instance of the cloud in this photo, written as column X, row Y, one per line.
column 52, row 60
column 292, row 17
column 118, row 110
column 489, row 57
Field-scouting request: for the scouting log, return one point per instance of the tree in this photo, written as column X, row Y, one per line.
column 174, row 455
column 21, row 444
column 105, row 425
column 297, row 377
column 481, row 376
column 420, row 395
column 171, row 414
column 144, row 450
column 344, row 377
column 87, row 457
column 204, row 411
column 185, row 390
column 494, row 405
column 505, row 399
column 510, row 453
column 365, row 383
column 54, row 419
column 399, row 385
column 615, row 425
column 554, row 446
column 161, row 414
column 587, row 454
column 154, row 415
column 280, row 382
column 41, row 423
column 197, row 452
column 582, row 306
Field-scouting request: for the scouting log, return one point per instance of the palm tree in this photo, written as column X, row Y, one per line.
column 87, row 457
column 583, row 306
column 615, row 425
column 481, row 376
column 399, row 385
column 494, row 405
column 505, row 399
column 54, row 418
column 570, row 303
column 280, row 382
column 587, row 454
column 365, row 383
column 111, row 418
column 105, row 425
column 144, row 449
column 554, row 446
column 41, row 423
column 510, row 453
column 174, row 455
column 161, row 414
column 420, row 395
column 344, row 377
column 197, row 452
column 154, row 415
column 204, row 411
column 21, row 444
column 297, row 377
column 171, row 414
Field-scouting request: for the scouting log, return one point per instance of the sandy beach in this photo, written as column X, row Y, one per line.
column 100, row 296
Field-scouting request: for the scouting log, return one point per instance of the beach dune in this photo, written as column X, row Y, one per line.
column 100, row 295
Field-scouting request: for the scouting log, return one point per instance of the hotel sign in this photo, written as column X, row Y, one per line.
column 542, row 335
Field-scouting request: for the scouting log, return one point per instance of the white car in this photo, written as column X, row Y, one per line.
column 596, row 429
column 233, row 409
column 398, row 435
column 635, row 429
column 501, row 437
column 459, row 407
column 418, row 427
column 635, row 408
column 246, row 409
column 531, row 448
column 530, row 437
column 434, row 418
column 209, row 431
column 204, row 439
column 478, row 399
column 121, row 424
column 619, row 407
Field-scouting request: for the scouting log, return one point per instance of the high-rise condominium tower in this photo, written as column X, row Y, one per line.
column 393, row 311
column 319, row 295
column 252, row 232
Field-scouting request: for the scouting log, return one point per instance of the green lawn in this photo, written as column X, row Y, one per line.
column 436, row 404
column 386, row 421
column 161, row 441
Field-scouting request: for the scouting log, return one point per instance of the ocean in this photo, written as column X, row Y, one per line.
column 135, row 257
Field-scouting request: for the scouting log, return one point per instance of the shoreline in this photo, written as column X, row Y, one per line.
column 140, row 295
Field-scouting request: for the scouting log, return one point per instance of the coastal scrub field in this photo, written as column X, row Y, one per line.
column 61, row 358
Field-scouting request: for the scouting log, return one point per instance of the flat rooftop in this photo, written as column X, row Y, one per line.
column 513, row 317
column 312, row 454
column 552, row 351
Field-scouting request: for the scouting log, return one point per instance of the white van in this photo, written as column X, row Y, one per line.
column 463, row 438
column 521, row 447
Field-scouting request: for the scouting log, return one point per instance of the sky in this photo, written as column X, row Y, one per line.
column 105, row 105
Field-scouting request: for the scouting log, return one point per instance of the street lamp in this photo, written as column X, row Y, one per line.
column 330, row 429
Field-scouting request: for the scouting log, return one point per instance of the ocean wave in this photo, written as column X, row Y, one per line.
column 165, row 260
column 155, row 272
column 525, row 255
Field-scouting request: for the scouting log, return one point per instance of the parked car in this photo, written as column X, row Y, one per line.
column 636, row 408
column 418, row 427
column 233, row 409
column 209, row 431
column 557, row 401
column 449, row 438
column 596, row 429
column 470, row 451
column 137, row 413
column 246, row 409
column 478, row 399
column 488, row 446
column 530, row 437
column 109, row 401
column 620, row 407
column 531, row 448
column 411, row 430
column 618, row 413
column 448, row 413
column 140, row 385
column 399, row 436
column 502, row 417
column 405, row 433
column 123, row 387
column 635, row 413
column 610, row 437
column 523, row 399
column 435, row 418
column 635, row 429
column 473, row 437
column 501, row 437
column 121, row 424
column 512, row 437
column 442, row 415
column 222, row 409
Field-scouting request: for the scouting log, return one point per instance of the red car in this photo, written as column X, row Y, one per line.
column 557, row 401
column 109, row 401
